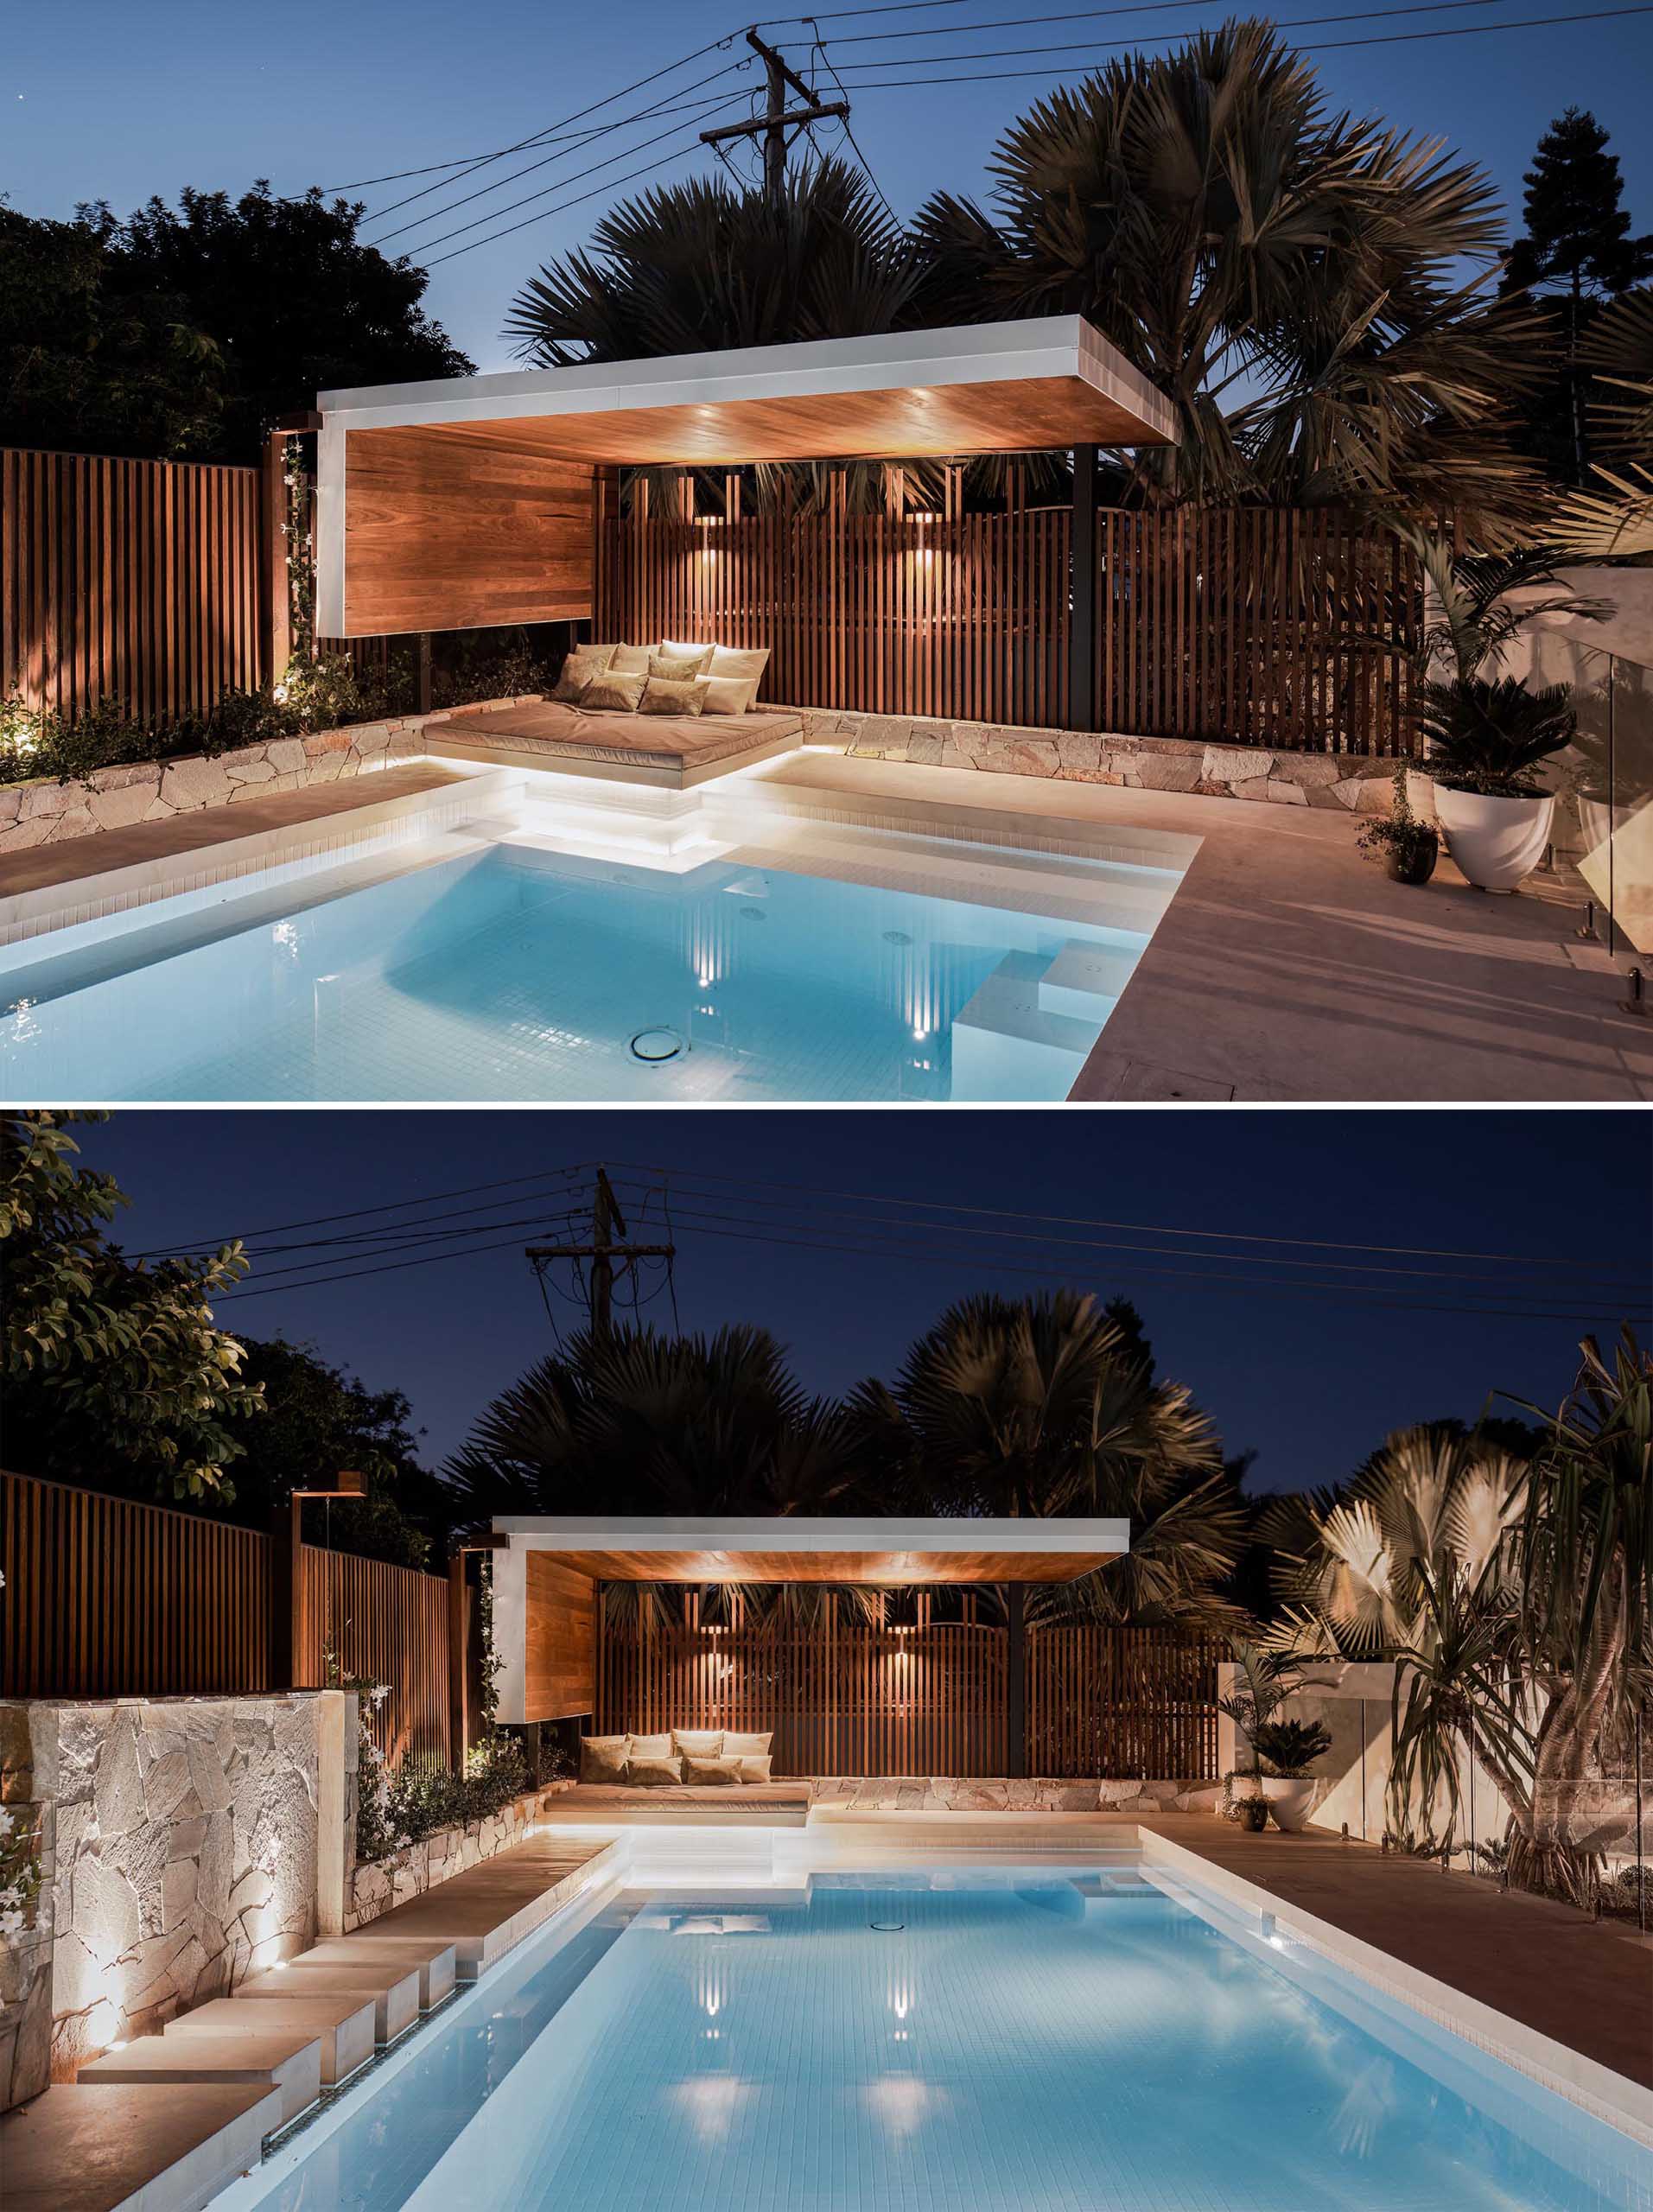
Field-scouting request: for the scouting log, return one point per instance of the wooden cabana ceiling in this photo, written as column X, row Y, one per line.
column 467, row 500
column 891, row 1552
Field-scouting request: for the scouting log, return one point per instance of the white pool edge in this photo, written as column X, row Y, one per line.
column 1595, row 2089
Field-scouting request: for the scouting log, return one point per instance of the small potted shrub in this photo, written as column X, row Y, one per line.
column 1290, row 1748
column 1252, row 1814
column 1487, row 739
column 1408, row 847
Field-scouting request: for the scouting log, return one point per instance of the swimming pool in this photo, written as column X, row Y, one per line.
column 903, row 969
column 1012, row 2040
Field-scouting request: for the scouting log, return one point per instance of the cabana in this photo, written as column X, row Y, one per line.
column 817, row 1684
column 480, row 501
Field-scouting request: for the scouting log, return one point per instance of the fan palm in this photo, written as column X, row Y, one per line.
column 1207, row 213
column 1618, row 522
column 1043, row 1406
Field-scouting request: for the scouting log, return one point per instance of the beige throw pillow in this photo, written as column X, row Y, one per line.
column 670, row 649
column 630, row 660
column 601, row 657
column 740, row 660
column 712, row 1773
column 661, row 697
column 578, row 673
column 653, row 1774
column 602, row 1759
column 754, row 1770
column 697, row 1743
column 748, row 1746
column 650, row 1747
column 727, row 695
column 612, row 695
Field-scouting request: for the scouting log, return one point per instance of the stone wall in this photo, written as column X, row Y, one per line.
column 26, row 1959
column 44, row 811
column 380, row 1884
column 182, row 1855
column 937, row 1793
column 1349, row 783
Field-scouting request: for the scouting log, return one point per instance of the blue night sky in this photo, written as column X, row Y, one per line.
column 105, row 99
column 1313, row 1382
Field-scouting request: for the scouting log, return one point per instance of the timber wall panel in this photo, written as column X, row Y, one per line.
column 139, row 582
column 560, row 1640
column 108, row 1597
column 381, row 1623
column 444, row 530
column 1241, row 626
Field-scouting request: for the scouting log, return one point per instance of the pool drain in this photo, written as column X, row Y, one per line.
column 897, row 936
column 754, row 913
column 887, row 1927
column 653, row 1045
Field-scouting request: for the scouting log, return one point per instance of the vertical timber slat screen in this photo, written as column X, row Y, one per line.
column 851, row 1698
column 106, row 1598
column 1121, row 1701
column 140, row 581
column 1237, row 625
column 383, row 1623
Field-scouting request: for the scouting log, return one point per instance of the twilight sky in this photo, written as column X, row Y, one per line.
column 111, row 99
column 1312, row 1381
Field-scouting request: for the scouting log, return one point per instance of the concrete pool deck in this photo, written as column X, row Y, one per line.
column 1288, row 967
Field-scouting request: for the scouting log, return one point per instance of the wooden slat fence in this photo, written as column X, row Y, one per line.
column 384, row 1624
column 1231, row 626
column 1121, row 1701
column 142, row 582
column 105, row 1598
column 852, row 1698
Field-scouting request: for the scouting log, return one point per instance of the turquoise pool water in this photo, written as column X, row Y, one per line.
column 1019, row 2042
column 523, row 974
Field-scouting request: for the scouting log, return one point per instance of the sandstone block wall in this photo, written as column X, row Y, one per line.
column 378, row 1884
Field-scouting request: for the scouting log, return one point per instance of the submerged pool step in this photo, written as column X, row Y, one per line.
column 1086, row 978
column 1006, row 1046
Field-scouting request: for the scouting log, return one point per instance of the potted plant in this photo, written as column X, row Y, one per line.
column 1487, row 739
column 1253, row 1813
column 1264, row 1679
column 1290, row 1748
column 1408, row 847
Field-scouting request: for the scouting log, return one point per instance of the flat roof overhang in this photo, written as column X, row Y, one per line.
column 1002, row 387
column 788, row 1550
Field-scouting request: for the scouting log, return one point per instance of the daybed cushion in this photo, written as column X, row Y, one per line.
column 661, row 697
column 752, row 1745
column 648, row 740
column 602, row 1759
column 701, row 656
column 653, row 1774
column 579, row 671
column 712, row 1773
column 727, row 695
column 697, row 1743
column 651, row 1747
column 612, row 695
column 630, row 660
column 754, row 1770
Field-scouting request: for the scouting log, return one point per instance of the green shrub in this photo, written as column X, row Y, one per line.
column 1290, row 1747
column 418, row 1800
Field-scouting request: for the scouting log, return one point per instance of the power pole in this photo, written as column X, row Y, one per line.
column 777, row 119
column 605, row 1250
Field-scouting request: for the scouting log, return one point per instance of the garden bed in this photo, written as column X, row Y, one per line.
column 377, row 1884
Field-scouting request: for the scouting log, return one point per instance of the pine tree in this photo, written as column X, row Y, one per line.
column 1578, row 249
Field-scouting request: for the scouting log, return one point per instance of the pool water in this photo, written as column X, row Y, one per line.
column 518, row 973
column 1020, row 2042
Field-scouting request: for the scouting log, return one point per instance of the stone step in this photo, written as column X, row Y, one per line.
column 1006, row 1046
column 288, row 2063
column 342, row 2023
column 1086, row 977
column 393, row 1985
column 490, row 1909
column 122, row 2146
column 434, row 1962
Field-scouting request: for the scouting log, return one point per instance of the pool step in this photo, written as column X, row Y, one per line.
column 389, row 1984
column 124, row 2147
column 343, row 2025
column 1085, row 979
column 288, row 2061
column 1006, row 1046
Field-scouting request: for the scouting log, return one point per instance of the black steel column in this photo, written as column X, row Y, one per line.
column 1015, row 1682
column 1082, row 633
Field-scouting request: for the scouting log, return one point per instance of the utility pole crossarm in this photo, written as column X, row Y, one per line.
column 777, row 119
column 812, row 114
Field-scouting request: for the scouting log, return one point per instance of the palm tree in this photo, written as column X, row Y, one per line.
column 1616, row 522
column 1047, row 1406
column 1209, row 216
column 1417, row 1561
column 1586, row 1600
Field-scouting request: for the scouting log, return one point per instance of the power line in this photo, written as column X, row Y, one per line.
column 562, row 153
column 359, row 1213
column 648, row 169
column 854, row 143
column 1321, row 45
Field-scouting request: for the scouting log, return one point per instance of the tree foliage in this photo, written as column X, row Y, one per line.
column 108, row 1362
column 185, row 332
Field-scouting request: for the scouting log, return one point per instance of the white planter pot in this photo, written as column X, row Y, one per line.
column 1290, row 1800
column 1497, row 842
